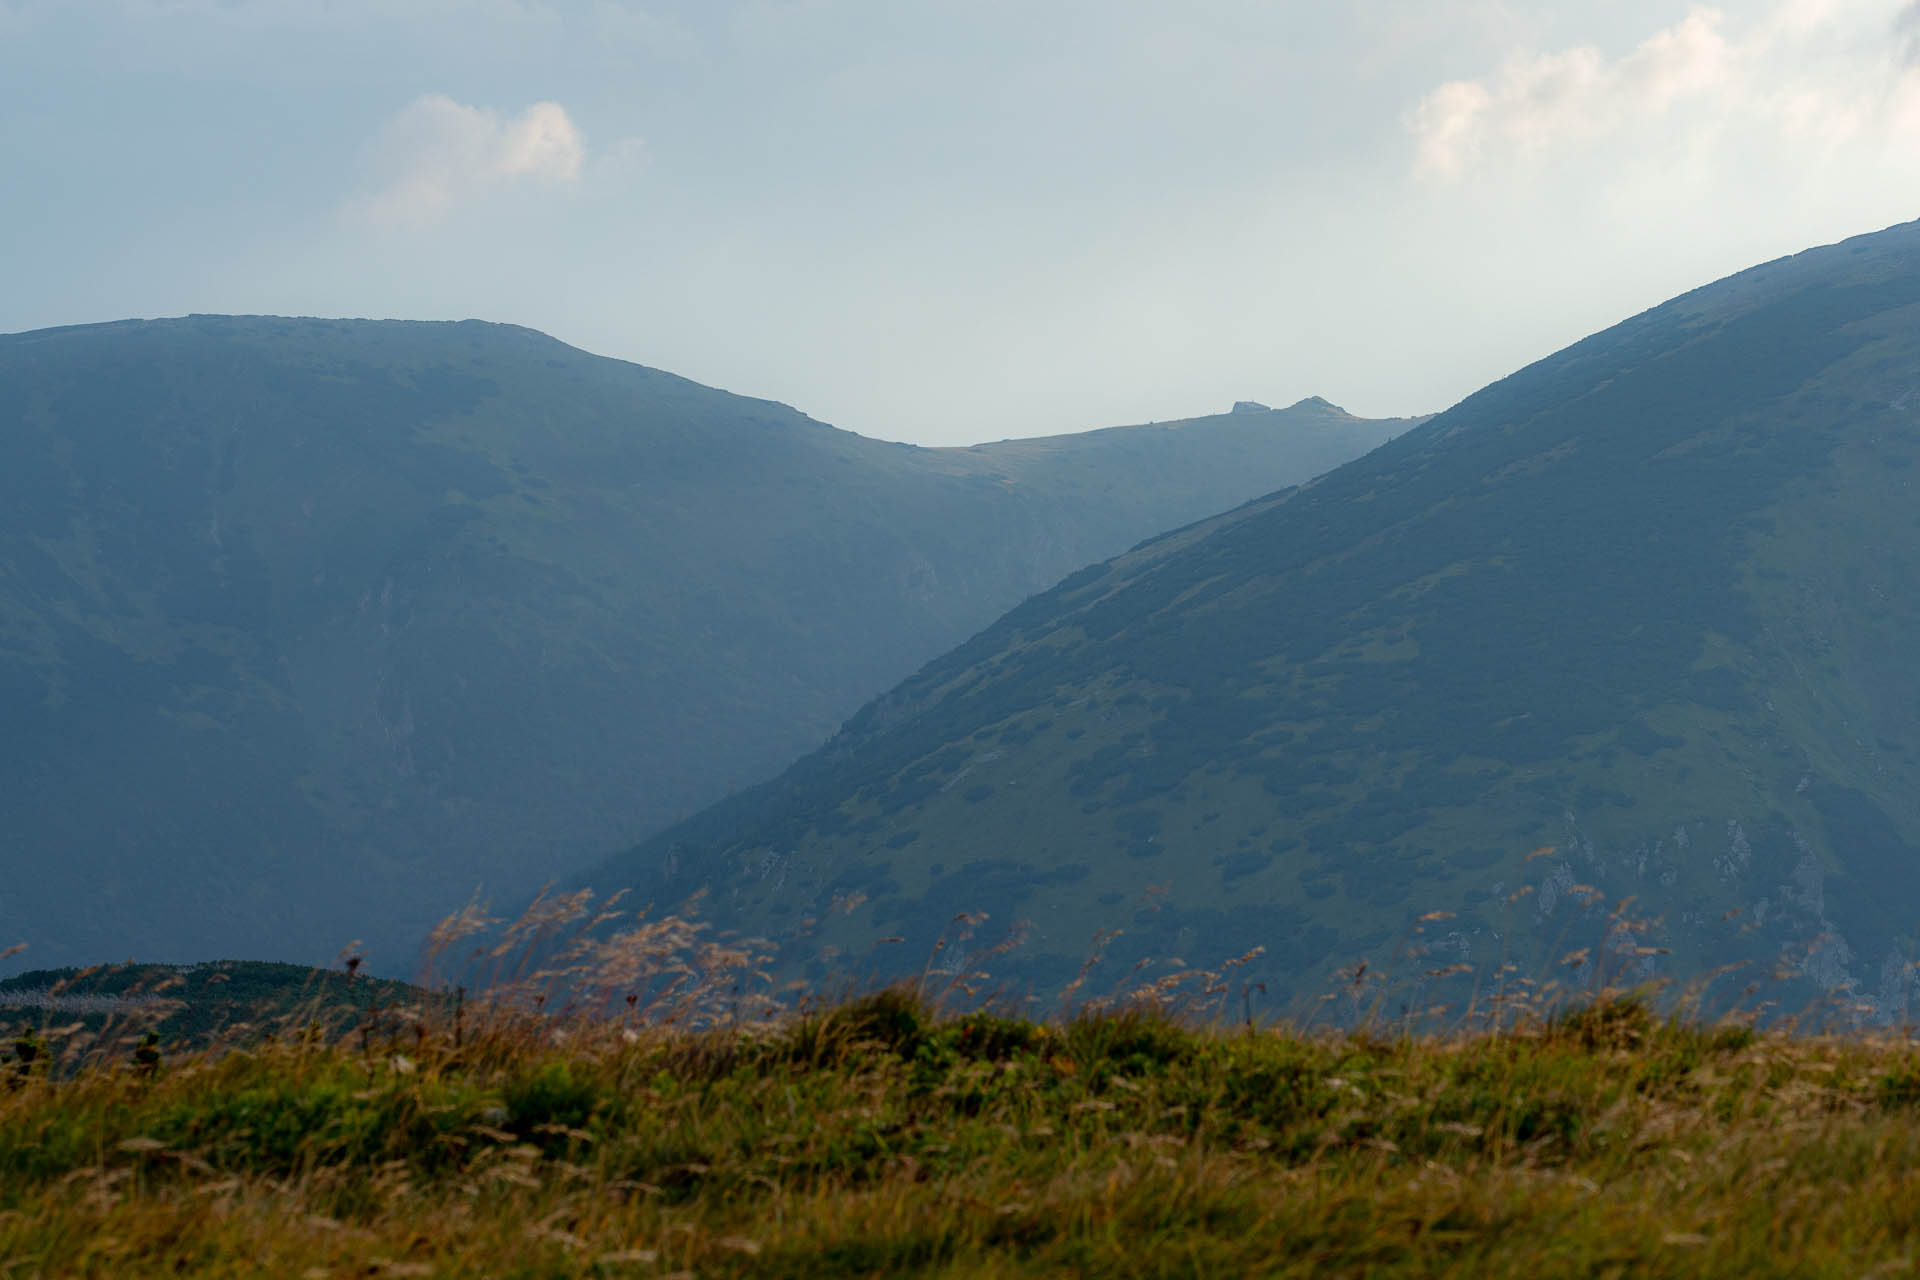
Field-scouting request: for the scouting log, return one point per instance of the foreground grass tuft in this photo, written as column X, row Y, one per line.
column 878, row 1138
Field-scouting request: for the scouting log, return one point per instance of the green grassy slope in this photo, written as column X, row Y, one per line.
column 105, row 1010
column 872, row 1140
column 307, row 627
column 1647, row 604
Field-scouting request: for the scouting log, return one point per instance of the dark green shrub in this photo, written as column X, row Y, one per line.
column 1129, row 1042
column 1610, row 1022
column 985, row 1037
column 551, row 1096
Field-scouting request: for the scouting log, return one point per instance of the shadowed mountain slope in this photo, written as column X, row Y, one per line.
column 1649, row 604
column 307, row 627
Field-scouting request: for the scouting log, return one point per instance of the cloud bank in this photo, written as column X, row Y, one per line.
column 438, row 154
column 1810, row 75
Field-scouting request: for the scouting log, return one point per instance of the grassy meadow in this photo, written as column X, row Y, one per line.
column 879, row 1135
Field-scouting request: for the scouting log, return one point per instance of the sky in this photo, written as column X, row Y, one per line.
column 946, row 221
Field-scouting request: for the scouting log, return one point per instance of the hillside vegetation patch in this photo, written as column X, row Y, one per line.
column 879, row 1137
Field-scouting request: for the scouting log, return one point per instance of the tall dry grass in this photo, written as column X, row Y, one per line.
column 580, row 1092
column 880, row 1137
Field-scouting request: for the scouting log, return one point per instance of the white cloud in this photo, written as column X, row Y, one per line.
column 1576, row 182
column 438, row 153
column 1809, row 74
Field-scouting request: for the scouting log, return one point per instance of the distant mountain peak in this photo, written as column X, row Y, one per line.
column 1318, row 402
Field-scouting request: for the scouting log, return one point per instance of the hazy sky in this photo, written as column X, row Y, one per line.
column 952, row 220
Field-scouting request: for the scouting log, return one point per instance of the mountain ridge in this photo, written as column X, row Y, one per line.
column 1639, row 603
column 307, row 626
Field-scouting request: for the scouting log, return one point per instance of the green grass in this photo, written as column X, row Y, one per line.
column 191, row 1006
column 878, row 1138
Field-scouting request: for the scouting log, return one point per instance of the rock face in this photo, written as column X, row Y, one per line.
column 308, row 627
column 1250, row 406
column 1634, row 623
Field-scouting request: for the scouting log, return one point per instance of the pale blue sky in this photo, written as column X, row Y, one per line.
column 950, row 221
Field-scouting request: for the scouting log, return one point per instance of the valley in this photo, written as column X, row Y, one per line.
column 310, row 628
column 1630, row 626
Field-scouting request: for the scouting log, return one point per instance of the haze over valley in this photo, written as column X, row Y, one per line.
column 1631, row 625
column 309, row 629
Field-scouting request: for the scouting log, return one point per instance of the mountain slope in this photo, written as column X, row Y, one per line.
column 1648, row 603
column 308, row 627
